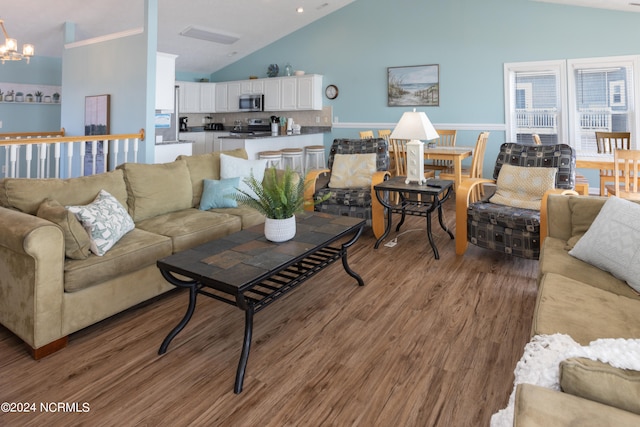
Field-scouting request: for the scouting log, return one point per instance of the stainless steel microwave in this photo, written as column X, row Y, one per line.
column 251, row 103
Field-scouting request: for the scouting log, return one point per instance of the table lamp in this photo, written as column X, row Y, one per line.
column 414, row 126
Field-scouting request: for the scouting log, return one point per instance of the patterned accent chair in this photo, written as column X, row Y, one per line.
column 511, row 230
column 355, row 202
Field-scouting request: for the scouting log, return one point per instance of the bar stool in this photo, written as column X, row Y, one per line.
column 292, row 158
column 274, row 158
column 314, row 157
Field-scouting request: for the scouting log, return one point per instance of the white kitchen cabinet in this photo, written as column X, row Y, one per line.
column 288, row 94
column 214, row 137
column 309, row 92
column 207, row 97
column 167, row 153
column 165, row 81
column 233, row 95
column 198, row 138
column 252, row 87
column 272, row 94
column 189, row 99
column 221, row 98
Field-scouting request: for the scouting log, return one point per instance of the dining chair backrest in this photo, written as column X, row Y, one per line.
column 536, row 139
column 626, row 167
column 608, row 142
column 366, row 134
column 384, row 134
column 399, row 147
column 477, row 161
column 446, row 138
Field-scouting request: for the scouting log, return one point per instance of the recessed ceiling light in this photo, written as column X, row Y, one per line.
column 300, row 10
column 209, row 35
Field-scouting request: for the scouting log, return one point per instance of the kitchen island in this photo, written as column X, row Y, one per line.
column 254, row 144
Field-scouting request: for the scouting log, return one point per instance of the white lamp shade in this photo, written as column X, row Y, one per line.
column 414, row 125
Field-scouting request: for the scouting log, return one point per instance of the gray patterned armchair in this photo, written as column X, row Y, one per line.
column 508, row 229
column 359, row 202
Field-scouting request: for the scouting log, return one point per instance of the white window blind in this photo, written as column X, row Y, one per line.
column 534, row 101
column 602, row 97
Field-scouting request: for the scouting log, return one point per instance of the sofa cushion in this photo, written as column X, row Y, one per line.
column 191, row 227
column 523, row 187
column 106, row 221
column 248, row 216
column 612, row 242
column 352, row 170
column 555, row 259
column 206, row 166
column 26, row 194
column 136, row 250
column 601, row 382
column 76, row 238
column 583, row 212
column 231, row 167
column 585, row 313
column 157, row 189
column 218, row 193
column 537, row 406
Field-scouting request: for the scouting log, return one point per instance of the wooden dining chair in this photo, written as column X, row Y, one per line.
column 366, row 134
column 446, row 138
column 477, row 163
column 626, row 165
column 536, row 139
column 608, row 142
column 384, row 133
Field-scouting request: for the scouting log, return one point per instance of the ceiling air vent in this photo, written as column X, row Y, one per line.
column 209, row 35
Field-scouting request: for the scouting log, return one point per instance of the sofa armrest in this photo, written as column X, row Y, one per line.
column 313, row 181
column 31, row 277
column 544, row 210
column 463, row 196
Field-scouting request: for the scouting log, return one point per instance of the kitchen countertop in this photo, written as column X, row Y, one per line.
column 182, row 141
column 262, row 135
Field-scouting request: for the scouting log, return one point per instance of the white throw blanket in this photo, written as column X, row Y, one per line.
column 540, row 363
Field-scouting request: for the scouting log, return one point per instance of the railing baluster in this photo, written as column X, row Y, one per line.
column 56, row 156
column 69, row 159
column 28, row 157
column 43, row 160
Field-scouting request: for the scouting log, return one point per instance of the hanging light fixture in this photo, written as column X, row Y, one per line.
column 9, row 51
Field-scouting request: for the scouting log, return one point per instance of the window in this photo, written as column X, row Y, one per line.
column 533, row 102
column 568, row 101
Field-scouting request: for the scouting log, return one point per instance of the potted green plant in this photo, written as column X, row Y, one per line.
column 9, row 96
column 279, row 197
column 1, row 95
column 19, row 97
column 29, row 97
column 38, row 95
column 56, row 97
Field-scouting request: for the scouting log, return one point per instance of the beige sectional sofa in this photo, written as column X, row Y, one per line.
column 45, row 296
column 586, row 303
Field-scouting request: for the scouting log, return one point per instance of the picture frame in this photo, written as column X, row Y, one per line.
column 97, row 115
column 414, row 85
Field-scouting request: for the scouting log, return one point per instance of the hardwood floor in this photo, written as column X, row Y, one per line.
column 424, row 343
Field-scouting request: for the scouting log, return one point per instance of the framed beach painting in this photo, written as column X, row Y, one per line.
column 413, row 85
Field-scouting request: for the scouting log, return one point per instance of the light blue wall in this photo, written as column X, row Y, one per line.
column 470, row 40
column 30, row 117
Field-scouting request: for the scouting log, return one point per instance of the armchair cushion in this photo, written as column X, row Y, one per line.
column 523, row 187
column 352, row 170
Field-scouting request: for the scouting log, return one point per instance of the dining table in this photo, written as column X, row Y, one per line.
column 454, row 154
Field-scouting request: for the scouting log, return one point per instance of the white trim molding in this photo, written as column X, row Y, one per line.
column 455, row 126
column 104, row 38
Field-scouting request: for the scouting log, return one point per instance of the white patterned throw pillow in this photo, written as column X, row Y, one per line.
column 233, row 167
column 106, row 221
column 352, row 170
column 612, row 242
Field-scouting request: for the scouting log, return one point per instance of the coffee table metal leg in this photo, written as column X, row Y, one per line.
column 387, row 208
column 193, row 293
column 444, row 227
column 345, row 264
column 246, row 347
column 436, row 255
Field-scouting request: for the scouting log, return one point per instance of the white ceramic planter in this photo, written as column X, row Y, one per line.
column 280, row 230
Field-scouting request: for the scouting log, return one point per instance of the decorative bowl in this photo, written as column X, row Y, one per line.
column 299, row 73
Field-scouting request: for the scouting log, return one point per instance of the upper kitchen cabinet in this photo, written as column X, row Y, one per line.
column 221, row 98
column 207, row 97
column 309, row 92
column 165, row 81
column 289, row 94
column 272, row 94
column 252, row 87
column 233, row 94
column 189, row 98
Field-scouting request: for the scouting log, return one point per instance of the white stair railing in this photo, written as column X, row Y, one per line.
column 18, row 152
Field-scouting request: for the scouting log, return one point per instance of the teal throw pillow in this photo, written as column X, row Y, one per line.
column 219, row 193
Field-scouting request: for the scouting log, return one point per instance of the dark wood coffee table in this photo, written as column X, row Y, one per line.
column 415, row 199
column 248, row 271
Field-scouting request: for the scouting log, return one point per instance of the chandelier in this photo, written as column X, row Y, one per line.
column 9, row 51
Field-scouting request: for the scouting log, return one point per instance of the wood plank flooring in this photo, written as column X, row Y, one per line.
column 424, row 343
